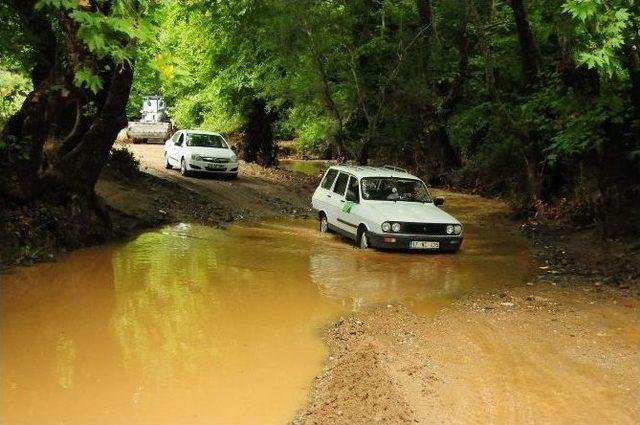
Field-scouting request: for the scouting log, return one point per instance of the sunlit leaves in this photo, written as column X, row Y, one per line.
column 115, row 32
column 601, row 28
column 58, row 4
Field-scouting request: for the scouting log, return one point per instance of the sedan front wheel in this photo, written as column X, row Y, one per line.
column 183, row 168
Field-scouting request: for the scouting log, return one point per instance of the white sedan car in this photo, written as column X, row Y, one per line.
column 200, row 151
column 384, row 208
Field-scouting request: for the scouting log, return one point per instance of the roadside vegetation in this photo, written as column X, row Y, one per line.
column 538, row 101
column 535, row 101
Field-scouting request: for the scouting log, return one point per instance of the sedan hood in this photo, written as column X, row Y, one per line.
column 213, row 152
column 412, row 212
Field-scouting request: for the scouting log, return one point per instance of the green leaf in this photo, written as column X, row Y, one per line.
column 85, row 77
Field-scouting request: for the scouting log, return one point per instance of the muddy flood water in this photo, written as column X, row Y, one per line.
column 188, row 324
column 313, row 168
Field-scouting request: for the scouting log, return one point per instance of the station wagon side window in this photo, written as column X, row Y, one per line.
column 341, row 184
column 353, row 190
column 327, row 182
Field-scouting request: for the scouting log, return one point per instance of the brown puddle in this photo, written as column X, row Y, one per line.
column 189, row 324
column 314, row 168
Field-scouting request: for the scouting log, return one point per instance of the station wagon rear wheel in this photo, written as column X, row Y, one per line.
column 324, row 224
column 167, row 165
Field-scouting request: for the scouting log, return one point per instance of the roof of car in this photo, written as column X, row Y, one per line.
column 201, row 132
column 361, row 171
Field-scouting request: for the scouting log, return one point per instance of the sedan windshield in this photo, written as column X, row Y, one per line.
column 205, row 140
column 394, row 189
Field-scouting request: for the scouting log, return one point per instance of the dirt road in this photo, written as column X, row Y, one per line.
column 257, row 193
column 562, row 348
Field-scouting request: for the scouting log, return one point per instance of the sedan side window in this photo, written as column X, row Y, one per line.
column 329, row 178
column 341, row 184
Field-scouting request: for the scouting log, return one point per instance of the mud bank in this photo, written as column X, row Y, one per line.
column 534, row 354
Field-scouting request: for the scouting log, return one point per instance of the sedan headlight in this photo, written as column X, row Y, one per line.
column 449, row 229
column 457, row 229
column 196, row 157
column 395, row 227
column 386, row 226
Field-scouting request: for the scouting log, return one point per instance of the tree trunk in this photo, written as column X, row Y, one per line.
column 257, row 143
column 363, row 154
column 330, row 103
column 528, row 47
column 441, row 156
column 59, row 140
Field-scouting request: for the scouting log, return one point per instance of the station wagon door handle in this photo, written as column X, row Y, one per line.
column 328, row 196
column 342, row 200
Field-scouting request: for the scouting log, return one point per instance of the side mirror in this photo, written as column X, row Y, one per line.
column 234, row 148
column 351, row 196
column 438, row 201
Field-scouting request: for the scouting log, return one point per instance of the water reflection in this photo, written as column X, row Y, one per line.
column 313, row 168
column 189, row 324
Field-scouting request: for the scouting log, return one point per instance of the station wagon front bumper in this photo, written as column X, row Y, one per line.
column 403, row 241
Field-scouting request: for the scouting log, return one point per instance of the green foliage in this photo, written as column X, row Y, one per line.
column 602, row 28
column 372, row 77
column 14, row 88
column 122, row 161
column 85, row 77
column 115, row 34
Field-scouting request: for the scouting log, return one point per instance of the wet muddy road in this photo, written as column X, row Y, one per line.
column 189, row 324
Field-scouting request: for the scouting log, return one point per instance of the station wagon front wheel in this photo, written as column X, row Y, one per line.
column 324, row 224
column 363, row 239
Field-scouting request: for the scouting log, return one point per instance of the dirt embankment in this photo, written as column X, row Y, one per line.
column 539, row 354
column 157, row 195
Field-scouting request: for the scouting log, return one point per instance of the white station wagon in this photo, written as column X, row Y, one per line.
column 200, row 151
column 384, row 208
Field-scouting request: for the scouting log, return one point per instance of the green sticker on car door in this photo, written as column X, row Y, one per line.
column 346, row 207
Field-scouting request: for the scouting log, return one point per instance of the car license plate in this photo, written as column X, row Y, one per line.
column 216, row 167
column 424, row 245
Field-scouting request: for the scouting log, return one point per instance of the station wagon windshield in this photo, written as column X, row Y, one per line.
column 205, row 141
column 394, row 189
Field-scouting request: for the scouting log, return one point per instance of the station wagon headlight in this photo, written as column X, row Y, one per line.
column 386, row 226
column 395, row 227
column 457, row 229
column 196, row 157
column 233, row 158
column 449, row 229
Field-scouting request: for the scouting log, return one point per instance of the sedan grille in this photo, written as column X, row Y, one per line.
column 217, row 160
column 423, row 228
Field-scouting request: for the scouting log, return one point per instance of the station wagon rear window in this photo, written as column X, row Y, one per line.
column 394, row 189
column 329, row 178
column 341, row 184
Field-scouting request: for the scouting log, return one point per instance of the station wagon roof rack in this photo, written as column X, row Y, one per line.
column 394, row 168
